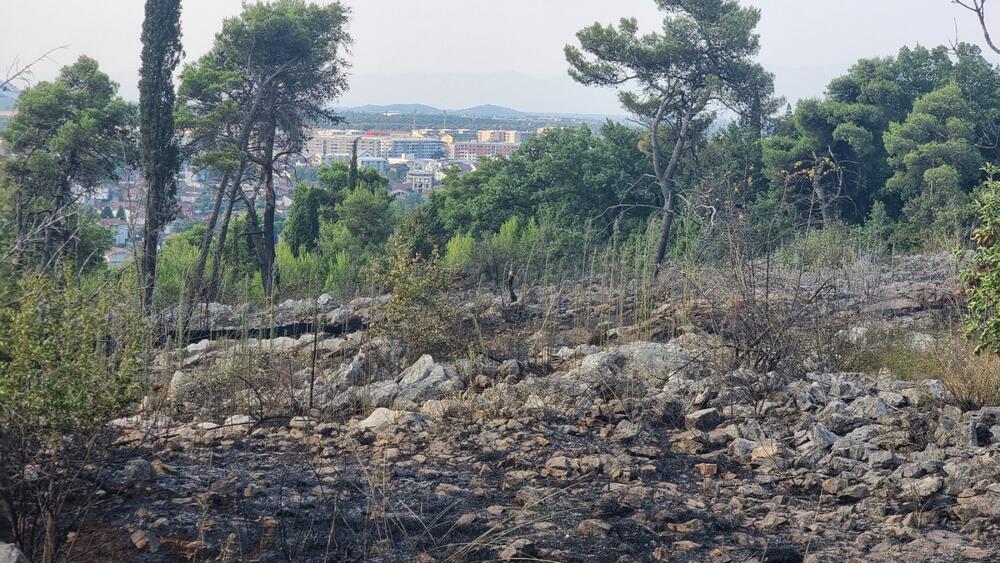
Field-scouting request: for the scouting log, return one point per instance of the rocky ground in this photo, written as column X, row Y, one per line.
column 586, row 445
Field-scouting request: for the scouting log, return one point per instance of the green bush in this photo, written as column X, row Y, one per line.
column 459, row 251
column 299, row 276
column 69, row 360
column 418, row 311
column 982, row 320
column 69, row 364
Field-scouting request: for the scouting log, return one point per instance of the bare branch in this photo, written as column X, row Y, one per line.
column 978, row 7
column 23, row 72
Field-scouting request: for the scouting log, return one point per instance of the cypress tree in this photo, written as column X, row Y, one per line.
column 159, row 151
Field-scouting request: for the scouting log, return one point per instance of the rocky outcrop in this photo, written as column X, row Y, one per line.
column 290, row 318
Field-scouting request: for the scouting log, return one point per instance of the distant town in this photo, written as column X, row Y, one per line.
column 415, row 163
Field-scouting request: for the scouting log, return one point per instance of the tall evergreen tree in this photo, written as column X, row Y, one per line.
column 670, row 79
column 160, row 156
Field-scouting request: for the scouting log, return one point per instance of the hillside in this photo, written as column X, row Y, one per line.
column 596, row 442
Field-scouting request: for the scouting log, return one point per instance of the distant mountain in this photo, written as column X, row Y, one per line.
column 489, row 110
column 483, row 111
column 396, row 108
column 486, row 110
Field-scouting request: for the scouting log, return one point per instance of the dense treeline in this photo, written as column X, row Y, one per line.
column 887, row 158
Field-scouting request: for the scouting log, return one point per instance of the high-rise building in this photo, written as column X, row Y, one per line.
column 503, row 136
column 331, row 141
column 472, row 151
column 412, row 147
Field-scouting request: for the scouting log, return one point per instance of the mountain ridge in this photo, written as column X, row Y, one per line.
column 483, row 110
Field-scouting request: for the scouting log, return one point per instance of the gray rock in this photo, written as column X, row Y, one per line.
column 138, row 471
column 741, row 447
column 920, row 489
column 180, row 387
column 881, row 459
column 868, row 407
column 426, row 380
column 382, row 418
column 704, row 419
column 652, row 361
column 854, row 493
column 627, row 430
column 821, row 436
column 9, row 553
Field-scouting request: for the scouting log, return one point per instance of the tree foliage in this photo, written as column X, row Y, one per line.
column 67, row 136
column 158, row 147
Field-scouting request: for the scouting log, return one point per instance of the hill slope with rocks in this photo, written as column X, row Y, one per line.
column 577, row 438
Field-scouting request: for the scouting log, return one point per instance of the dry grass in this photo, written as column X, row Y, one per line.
column 888, row 352
column 972, row 380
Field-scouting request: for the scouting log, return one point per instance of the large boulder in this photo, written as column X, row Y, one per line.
column 653, row 362
column 423, row 381
column 382, row 418
column 426, row 380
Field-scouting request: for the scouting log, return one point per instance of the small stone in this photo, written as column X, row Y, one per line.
column 142, row 539
column 445, row 489
column 822, row 436
column 518, row 549
column 558, row 466
column 771, row 521
column 689, row 527
column 833, row 485
column 593, row 528
column 854, row 493
column 466, row 519
column 627, row 430
column 922, row 489
column 685, row 545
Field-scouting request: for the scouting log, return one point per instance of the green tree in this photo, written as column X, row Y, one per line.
column 368, row 215
column 571, row 175
column 67, row 137
column 161, row 52
column 936, row 162
column 982, row 320
column 302, row 227
column 829, row 155
column 313, row 205
column 291, row 54
column 703, row 55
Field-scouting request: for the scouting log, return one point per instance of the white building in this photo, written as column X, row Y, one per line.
column 365, row 160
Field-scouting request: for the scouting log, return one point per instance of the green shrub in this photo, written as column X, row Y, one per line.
column 69, row 364
column 299, row 276
column 418, row 311
column 69, row 361
column 459, row 251
column 343, row 274
column 829, row 247
column 982, row 320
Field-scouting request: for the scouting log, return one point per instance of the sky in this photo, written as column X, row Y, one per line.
column 459, row 53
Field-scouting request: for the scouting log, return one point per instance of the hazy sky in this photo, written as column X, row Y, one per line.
column 458, row 53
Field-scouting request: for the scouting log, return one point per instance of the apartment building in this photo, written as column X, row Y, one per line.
column 472, row 151
column 504, row 136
